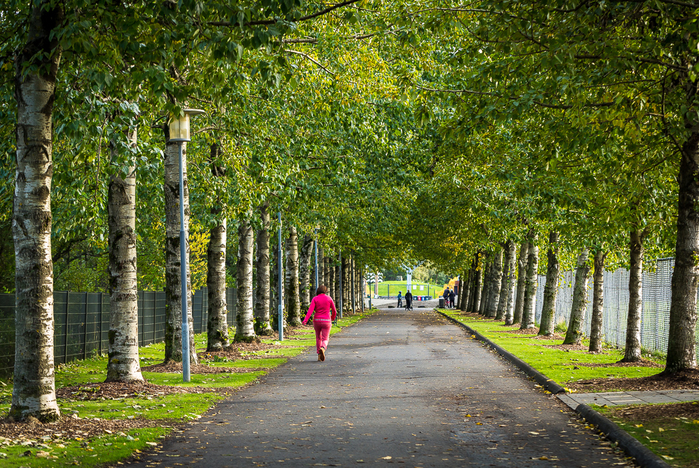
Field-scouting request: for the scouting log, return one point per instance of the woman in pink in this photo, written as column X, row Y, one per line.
column 322, row 321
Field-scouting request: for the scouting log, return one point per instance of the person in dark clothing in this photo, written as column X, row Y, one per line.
column 452, row 296
column 446, row 297
column 400, row 301
column 408, row 301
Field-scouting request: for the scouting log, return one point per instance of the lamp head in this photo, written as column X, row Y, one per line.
column 179, row 126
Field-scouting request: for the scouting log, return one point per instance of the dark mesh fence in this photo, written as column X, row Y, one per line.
column 81, row 323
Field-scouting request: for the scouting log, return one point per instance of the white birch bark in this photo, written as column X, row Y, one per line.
column 217, row 336
column 291, row 282
column 598, row 304
column 504, row 281
column 173, row 283
column 346, row 285
column 521, row 280
column 34, row 389
column 511, row 283
column 496, row 285
column 577, row 315
column 305, row 283
column 548, row 309
column 531, row 284
column 263, row 326
column 245, row 328
column 632, row 352
column 123, row 364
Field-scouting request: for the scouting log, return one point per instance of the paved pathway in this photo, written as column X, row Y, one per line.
column 400, row 387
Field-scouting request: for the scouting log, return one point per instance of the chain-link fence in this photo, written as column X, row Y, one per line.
column 655, row 317
column 82, row 322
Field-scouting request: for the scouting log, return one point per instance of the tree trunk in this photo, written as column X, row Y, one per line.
column 217, row 325
column 496, row 285
column 477, row 286
column 511, row 283
column 216, row 252
column 528, row 311
column 504, row 281
column 291, row 282
column 681, row 350
column 173, row 283
column 321, row 270
column 305, row 256
column 326, row 273
column 632, row 353
column 548, row 309
column 34, row 391
column 472, row 285
column 463, row 288
column 338, row 280
column 579, row 307
column 123, row 364
column 463, row 304
column 274, row 295
column 346, row 285
column 331, row 278
column 262, row 268
column 245, row 328
column 597, row 303
column 522, row 262
column 485, row 285
column 353, row 292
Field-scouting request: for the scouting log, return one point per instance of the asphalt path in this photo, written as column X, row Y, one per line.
column 399, row 387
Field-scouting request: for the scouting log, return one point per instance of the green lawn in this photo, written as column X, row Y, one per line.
column 395, row 286
column 562, row 366
column 675, row 439
column 66, row 450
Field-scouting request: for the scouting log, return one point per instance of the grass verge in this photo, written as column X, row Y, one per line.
column 561, row 364
column 675, row 439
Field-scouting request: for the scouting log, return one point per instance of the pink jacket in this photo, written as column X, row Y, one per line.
column 322, row 304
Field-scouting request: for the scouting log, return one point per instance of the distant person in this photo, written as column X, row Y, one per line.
column 408, row 301
column 445, row 296
column 452, row 296
column 400, row 299
column 322, row 321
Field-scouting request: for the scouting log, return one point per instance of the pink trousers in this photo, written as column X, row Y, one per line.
column 322, row 334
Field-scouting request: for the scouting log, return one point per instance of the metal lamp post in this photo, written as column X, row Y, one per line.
column 179, row 133
column 280, row 306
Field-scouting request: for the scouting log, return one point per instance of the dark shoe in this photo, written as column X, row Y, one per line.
column 321, row 354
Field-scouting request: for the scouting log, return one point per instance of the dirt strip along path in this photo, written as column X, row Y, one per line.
column 399, row 387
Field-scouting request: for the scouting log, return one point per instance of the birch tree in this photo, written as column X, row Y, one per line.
column 262, row 268
column 123, row 364
column 575, row 331
column 34, row 387
column 245, row 329
column 291, row 282
column 597, row 302
column 548, row 309
column 632, row 352
column 305, row 284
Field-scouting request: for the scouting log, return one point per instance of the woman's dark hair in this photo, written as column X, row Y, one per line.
column 322, row 289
